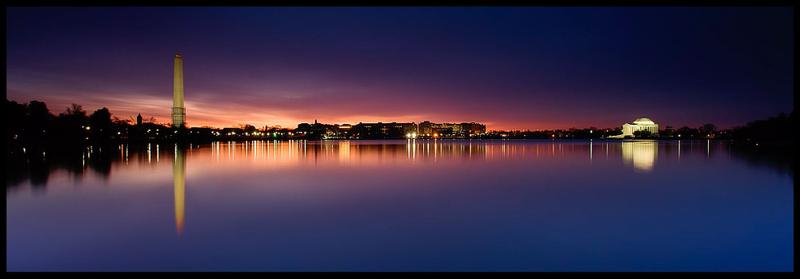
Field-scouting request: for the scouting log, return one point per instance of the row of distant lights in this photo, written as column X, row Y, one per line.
column 408, row 135
column 217, row 133
column 435, row 135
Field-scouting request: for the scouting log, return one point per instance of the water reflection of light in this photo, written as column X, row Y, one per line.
column 255, row 150
column 179, row 185
column 641, row 154
column 365, row 153
column 122, row 152
column 344, row 151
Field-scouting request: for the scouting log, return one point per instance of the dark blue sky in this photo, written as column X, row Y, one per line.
column 521, row 68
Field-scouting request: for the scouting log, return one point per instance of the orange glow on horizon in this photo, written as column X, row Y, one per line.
column 211, row 115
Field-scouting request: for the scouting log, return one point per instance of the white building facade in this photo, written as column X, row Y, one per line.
column 641, row 124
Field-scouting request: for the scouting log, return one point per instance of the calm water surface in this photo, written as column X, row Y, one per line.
column 405, row 206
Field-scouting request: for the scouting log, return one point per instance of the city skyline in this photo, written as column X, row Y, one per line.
column 400, row 139
column 411, row 66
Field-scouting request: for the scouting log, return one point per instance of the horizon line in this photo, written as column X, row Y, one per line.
column 132, row 117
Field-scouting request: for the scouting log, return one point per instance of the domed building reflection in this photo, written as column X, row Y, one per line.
column 641, row 153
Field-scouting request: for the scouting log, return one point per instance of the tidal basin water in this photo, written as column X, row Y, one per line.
column 420, row 205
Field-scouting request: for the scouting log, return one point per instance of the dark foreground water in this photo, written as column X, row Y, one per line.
column 404, row 206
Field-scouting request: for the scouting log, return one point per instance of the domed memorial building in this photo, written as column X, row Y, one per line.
column 640, row 124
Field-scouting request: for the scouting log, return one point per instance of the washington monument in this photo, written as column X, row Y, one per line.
column 178, row 111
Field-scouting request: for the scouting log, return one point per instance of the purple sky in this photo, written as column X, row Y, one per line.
column 511, row 68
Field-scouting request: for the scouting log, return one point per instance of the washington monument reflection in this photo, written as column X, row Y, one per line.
column 179, row 184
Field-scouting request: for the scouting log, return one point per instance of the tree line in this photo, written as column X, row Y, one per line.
column 33, row 124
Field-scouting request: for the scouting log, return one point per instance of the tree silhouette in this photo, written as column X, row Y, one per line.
column 70, row 125
column 38, row 117
column 100, row 123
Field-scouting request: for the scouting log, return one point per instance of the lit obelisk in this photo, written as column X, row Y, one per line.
column 178, row 111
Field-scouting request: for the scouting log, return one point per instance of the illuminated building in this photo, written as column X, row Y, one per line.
column 388, row 130
column 382, row 130
column 425, row 128
column 641, row 124
column 450, row 130
column 178, row 111
column 317, row 130
column 473, row 129
column 337, row 131
column 344, row 127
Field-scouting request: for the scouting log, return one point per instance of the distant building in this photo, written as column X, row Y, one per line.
column 344, row 127
column 425, row 129
column 316, row 130
column 389, row 130
column 450, row 130
column 338, row 131
column 382, row 130
column 232, row 132
column 473, row 129
column 641, row 124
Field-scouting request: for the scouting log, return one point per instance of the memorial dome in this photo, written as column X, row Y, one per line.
column 643, row 121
